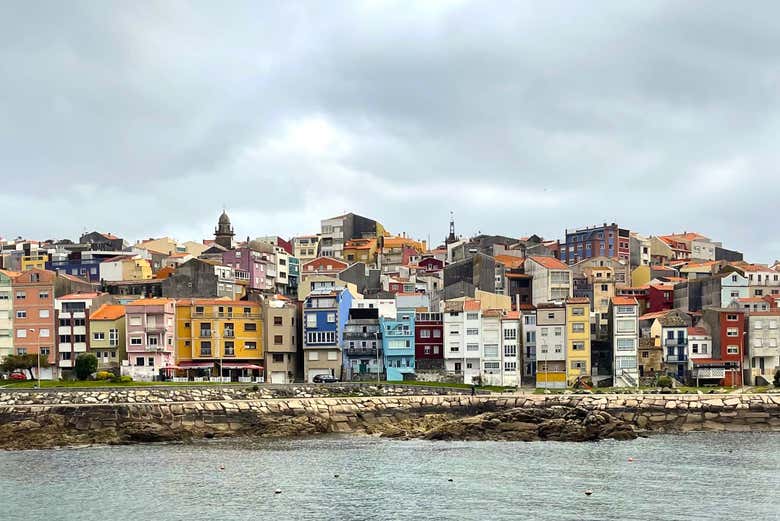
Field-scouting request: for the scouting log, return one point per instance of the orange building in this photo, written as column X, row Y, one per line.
column 34, row 329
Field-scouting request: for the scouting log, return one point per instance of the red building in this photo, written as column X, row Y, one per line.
column 430, row 265
column 660, row 297
column 727, row 328
column 429, row 341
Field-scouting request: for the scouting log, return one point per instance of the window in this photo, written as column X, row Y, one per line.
column 230, row 349
column 311, row 320
column 558, row 348
column 454, row 332
column 625, row 362
column 278, row 339
column 510, row 351
column 437, row 333
column 645, row 354
column 425, row 333
column 472, row 347
column 530, row 337
column 455, row 348
column 135, row 321
column 733, row 278
column 529, row 320
column 139, row 361
column 731, row 318
column 4, row 296
column 427, row 350
column 43, row 313
column 732, row 331
column 205, row 348
column 626, row 325
column 21, row 333
column 578, row 346
column 44, row 333
column 136, row 341
column 624, row 344
column 543, row 331
column 21, row 314
column 773, row 324
column 153, row 341
column 510, row 367
column 757, row 324
column 150, row 361
column 551, row 316
column 472, row 316
column 732, row 350
column 625, row 310
column 492, row 366
column 314, row 356
column 333, row 355
column 491, row 350
column 250, row 326
column 578, row 312
column 472, row 331
column 458, row 366
column 98, row 336
column 578, row 364
column 578, row 327
column 331, row 317
column 510, row 334
column 558, row 331
column 21, row 295
column 277, row 321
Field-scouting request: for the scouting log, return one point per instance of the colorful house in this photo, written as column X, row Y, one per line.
column 219, row 339
column 624, row 332
column 428, row 341
column 577, row 339
column 325, row 312
column 551, row 345
column 398, row 345
column 33, row 292
column 7, row 313
column 108, row 337
column 280, row 319
column 150, row 334
column 73, row 328
column 362, row 350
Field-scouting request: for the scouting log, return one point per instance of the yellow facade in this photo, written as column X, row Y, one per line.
column 209, row 329
column 577, row 339
column 640, row 276
column 136, row 269
column 360, row 250
column 30, row 262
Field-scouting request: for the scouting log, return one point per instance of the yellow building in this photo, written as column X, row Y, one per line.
column 640, row 276
column 35, row 261
column 360, row 250
column 217, row 337
column 577, row 338
column 107, row 336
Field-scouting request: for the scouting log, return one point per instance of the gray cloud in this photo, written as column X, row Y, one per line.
column 523, row 118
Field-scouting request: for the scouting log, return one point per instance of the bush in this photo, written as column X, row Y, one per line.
column 121, row 379
column 664, row 381
column 777, row 378
column 86, row 364
column 104, row 375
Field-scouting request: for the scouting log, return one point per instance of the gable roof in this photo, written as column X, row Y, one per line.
column 624, row 301
column 108, row 312
column 551, row 263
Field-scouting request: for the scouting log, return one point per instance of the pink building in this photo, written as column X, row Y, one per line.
column 151, row 325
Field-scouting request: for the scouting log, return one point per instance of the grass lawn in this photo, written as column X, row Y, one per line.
column 46, row 384
column 492, row 388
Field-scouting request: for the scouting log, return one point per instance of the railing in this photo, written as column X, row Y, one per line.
column 229, row 333
column 676, row 358
column 674, row 342
column 205, row 333
column 357, row 351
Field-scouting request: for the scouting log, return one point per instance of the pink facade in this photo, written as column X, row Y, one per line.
column 254, row 262
column 151, row 325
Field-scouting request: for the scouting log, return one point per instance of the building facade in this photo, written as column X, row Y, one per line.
column 281, row 348
column 577, row 339
column 108, row 337
column 363, row 347
column 551, row 345
column 624, row 332
column 150, row 335
column 325, row 312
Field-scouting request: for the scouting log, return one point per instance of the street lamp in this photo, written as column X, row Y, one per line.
column 38, row 349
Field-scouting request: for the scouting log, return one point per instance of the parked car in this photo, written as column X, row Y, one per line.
column 17, row 376
column 324, row 379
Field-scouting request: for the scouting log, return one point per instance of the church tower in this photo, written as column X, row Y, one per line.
column 223, row 233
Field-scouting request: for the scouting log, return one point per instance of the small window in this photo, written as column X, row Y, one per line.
column 250, row 326
column 278, row 339
column 277, row 321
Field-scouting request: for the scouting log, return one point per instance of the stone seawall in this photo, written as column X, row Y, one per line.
column 46, row 425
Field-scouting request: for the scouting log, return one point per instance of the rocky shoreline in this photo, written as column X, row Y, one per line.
column 433, row 417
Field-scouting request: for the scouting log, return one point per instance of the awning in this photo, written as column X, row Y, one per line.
column 242, row 366
column 169, row 367
column 196, row 365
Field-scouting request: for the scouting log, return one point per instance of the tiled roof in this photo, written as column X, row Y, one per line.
column 754, row 267
column 578, row 300
column 624, row 301
column 108, row 312
column 526, row 307
column 551, row 263
column 688, row 236
column 699, row 331
column 510, row 260
column 79, row 296
column 214, row 302
column 10, row 274
column 654, row 315
column 512, row 315
column 150, row 302
column 471, row 305
column 492, row 313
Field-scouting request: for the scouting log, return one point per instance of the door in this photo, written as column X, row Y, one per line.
column 278, row 377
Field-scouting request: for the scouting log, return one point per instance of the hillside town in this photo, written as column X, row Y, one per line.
column 602, row 306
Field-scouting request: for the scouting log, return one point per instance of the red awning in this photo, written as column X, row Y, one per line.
column 242, row 366
column 196, row 365
column 169, row 367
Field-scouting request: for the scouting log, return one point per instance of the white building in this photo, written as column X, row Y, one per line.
column 492, row 359
column 624, row 331
column 763, row 346
column 462, row 339
column 699, row 345
column 511, row 343
column 528, row 345
column 386, row 306
column 552, row 279
column 551, row 346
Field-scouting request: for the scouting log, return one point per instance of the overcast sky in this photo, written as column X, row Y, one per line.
column 144, row 118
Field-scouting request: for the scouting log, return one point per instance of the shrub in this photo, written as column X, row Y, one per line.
column 104, row 375
column 664, row 381
column 125, row 379
column 86, row 364
column 777, row 378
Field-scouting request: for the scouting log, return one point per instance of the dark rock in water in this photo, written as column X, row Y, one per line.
column 534, row 424
column 148, row 432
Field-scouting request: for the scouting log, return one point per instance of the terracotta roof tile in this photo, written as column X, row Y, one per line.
column 151, row 302
column 624, row 301
column 551, row 263
column 108, row 312
column 472, row 305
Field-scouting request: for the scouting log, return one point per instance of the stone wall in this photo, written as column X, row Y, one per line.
column 153, row 419
column 161, row 394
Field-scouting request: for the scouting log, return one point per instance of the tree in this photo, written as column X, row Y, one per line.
column 777, row 378
column 86, row 364
column 26, row 362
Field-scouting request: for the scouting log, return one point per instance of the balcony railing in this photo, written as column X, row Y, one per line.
column 676, row 358
column 205, row 333
column 361, row 351
column 229, row 333
column 674, row 342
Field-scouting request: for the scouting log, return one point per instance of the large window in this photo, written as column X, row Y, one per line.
column 472, row 316
column 311, row 320
column 626, row 326
column 578, row 327
column 732, row 332
column 625, row 310
column 491, row 350
column 205, row 348
column 472, row 331
column 425, row 333
column 625, row 362
column 624, row 344
column 510, row 334
column 578, row 311
column 510, row 351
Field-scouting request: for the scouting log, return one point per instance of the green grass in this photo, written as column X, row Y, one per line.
column 52, row 384
column 492, row 388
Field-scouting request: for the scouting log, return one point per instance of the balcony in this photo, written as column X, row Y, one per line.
column 676, row 359
column 362, row 351
column 674, row 342
column 65, row 363
column 80, row 347
column 155, row 328
column 348, row 335
column 79, row 314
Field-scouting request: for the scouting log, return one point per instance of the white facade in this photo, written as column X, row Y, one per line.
column 528, row 344
column 111, row 270
column 549, row 283
column 699, row 345
column 762, row 281
column 492, row 358
column 703, row 249
column 454, row 345
column 332, row 237
column 462, row 340
column 763, row 346
column 511, row 344
column 386, row 307
column 625, row 342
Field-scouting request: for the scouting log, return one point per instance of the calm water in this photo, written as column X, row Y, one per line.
column 695, row 476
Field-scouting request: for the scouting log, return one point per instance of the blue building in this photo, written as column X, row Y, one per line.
column 325, row 313
column 398, row 345
column 293, row 275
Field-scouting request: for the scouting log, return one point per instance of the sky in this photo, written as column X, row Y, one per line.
column 147, row 118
